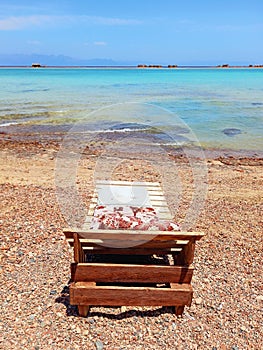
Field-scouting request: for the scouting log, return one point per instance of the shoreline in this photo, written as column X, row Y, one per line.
column 23, row 134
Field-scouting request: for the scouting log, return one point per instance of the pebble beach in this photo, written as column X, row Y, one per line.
column 226, row 312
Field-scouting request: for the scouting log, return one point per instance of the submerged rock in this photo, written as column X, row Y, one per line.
column 232, row 132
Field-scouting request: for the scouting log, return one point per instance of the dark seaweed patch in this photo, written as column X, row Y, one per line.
column 232, row 132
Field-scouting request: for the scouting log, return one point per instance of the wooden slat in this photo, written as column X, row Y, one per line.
column 162, row 209
column 148, row 188
column 97, row 242
column 158, row 203
column 165, row 216
column 133, row 235
column 126, row 243
column 131, row 251
column 116, row 243
column 99, row 272
column 92, row 206
column 154, row 188
column 126, row 183
column 82, row 293
column 158, row 193
column 156, row 200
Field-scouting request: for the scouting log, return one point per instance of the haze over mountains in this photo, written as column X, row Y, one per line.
column 62, row 60
column 55, row 60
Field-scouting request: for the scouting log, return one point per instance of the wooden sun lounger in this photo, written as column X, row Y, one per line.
column 121, row 283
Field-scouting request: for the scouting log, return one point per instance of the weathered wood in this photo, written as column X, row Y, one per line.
column 152, row 188
column 136, row 235
column 155, row 201
column 126, row 183
column 72, row 292
column 186, row 256
column 79, row 255
column 83, row 289
column 100, row 272
column 83, row 310
column 165, row 216
column 73, row 268
column 158, row 193
column 76, row 247
column 179, row 310
column 83, row 293
column 118, row 244
column 130, row 251
column 158, row 202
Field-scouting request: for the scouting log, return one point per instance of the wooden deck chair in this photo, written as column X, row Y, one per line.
column 126, row 277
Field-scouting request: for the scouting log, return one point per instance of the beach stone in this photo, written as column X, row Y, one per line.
column 232, row 132
column 99, row 345
column 259, row 298
column 198, row 301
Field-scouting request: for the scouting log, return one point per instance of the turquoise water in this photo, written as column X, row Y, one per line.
column 209, row 101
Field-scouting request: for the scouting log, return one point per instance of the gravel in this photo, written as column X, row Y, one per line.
column 226, row 312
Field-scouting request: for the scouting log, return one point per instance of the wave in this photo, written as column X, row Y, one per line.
column 9, row 124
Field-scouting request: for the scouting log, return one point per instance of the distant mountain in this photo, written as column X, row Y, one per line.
column 62, row 60
column 53, row 60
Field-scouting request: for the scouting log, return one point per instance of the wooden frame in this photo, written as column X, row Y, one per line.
column 128, row 284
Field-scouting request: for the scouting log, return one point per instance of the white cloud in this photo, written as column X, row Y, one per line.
column 100, row 43
column 22, row 22
column 111, row 21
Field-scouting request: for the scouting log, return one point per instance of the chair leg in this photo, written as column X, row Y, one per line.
column 83, row 310
column 179, row 310
column 175, row 258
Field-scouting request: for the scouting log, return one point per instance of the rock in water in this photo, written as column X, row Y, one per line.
column 232, row 132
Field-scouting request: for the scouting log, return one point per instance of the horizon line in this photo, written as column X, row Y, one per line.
column 139, row 66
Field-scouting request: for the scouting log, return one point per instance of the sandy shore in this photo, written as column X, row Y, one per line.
column 226, row 312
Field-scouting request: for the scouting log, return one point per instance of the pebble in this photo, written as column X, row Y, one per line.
column 53, row 292
column 198, row 301
column 227, row 262
column 99, row 345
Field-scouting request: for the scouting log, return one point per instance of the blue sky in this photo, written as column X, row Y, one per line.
column 145, row 31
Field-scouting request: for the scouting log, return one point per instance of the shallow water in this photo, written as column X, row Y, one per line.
column 208, row 102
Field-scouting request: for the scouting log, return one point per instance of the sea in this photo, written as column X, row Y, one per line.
column 220, row 108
